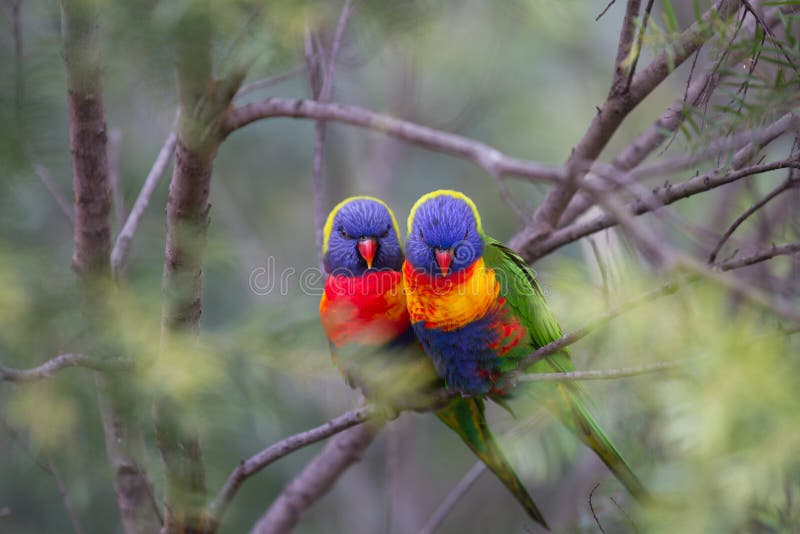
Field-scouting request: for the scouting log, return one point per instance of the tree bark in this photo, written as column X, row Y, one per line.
column 92, row 245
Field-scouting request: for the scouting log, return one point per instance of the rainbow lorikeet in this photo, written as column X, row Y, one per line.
column 478, row 310
column 363, row 311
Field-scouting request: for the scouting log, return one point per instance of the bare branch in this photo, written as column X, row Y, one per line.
column 50, row 468
column 452, row 498
column 789, row 249
column 666, row 194
column 603, row 374
column 768, row 31
column 756, row 137
column 316, row 479
column 119, row 254
column 276, row 451
column 610, row 116
column 322, row 93
column 62, row 361
column 605, row 9
column 625, row 45
column 789, row 183
column 54, row 191
column 481, row 154
column 696, row 92
column 639, row 42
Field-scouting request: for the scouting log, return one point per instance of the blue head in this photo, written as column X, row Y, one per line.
column 444, row 233
column 361, row 234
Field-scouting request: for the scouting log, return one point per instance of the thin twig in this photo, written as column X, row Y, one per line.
column 55, row 192
column 63, row 361
column 48, row 467
column 666, row 195
column 608, row 6
column 119, row 254
column 323, row 94
column 258, row 85
column 639, row 42
column 591, row 507
column 789, row 249
column 452, row 498
column 756, row 137
column 602, row 374
column 789, row 183
column 624, row 46
column 768, row 29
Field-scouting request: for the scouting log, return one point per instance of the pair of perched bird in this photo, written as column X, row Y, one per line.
column 460, row 310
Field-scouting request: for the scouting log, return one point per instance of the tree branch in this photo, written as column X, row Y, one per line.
column 62, row 361
column 481, row 154
column 203, row 102
column 602, row 374
column 322, row 93
column 119, row 254
column 92, row 244
column 276, row 451
column 624, row 46
column 698, row 91
column 452, row 498
column 666, row 194
column 316, row 479
column 787, row 184
column 610, row 116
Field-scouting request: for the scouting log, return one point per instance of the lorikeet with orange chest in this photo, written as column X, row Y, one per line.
column 363, row 311
column 478, row 310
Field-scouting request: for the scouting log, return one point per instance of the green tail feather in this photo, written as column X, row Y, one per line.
column 566, row 401
column 466, row 418
column 578, row 419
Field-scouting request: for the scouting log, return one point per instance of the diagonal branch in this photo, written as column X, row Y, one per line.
column 666, row 194
column 625, row 46
column 122, row 245
column 276, row 451
column 611, row 114
column 787, row 184
column 452, row 498
column 316, row 479
column 697, row 91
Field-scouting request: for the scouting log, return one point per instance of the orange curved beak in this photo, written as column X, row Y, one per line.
column 444, row 257
column 367, row 247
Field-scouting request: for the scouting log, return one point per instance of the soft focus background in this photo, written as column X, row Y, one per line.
column 717, row 438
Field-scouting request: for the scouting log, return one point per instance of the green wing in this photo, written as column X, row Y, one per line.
column 465, row 416
column 527, row 302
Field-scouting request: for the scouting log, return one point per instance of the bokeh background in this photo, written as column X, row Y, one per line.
column 717, row 438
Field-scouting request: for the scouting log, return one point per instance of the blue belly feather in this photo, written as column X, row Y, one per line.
column 462, row 357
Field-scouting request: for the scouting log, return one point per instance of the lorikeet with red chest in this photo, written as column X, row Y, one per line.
column 363, row 311
column 478, row 310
